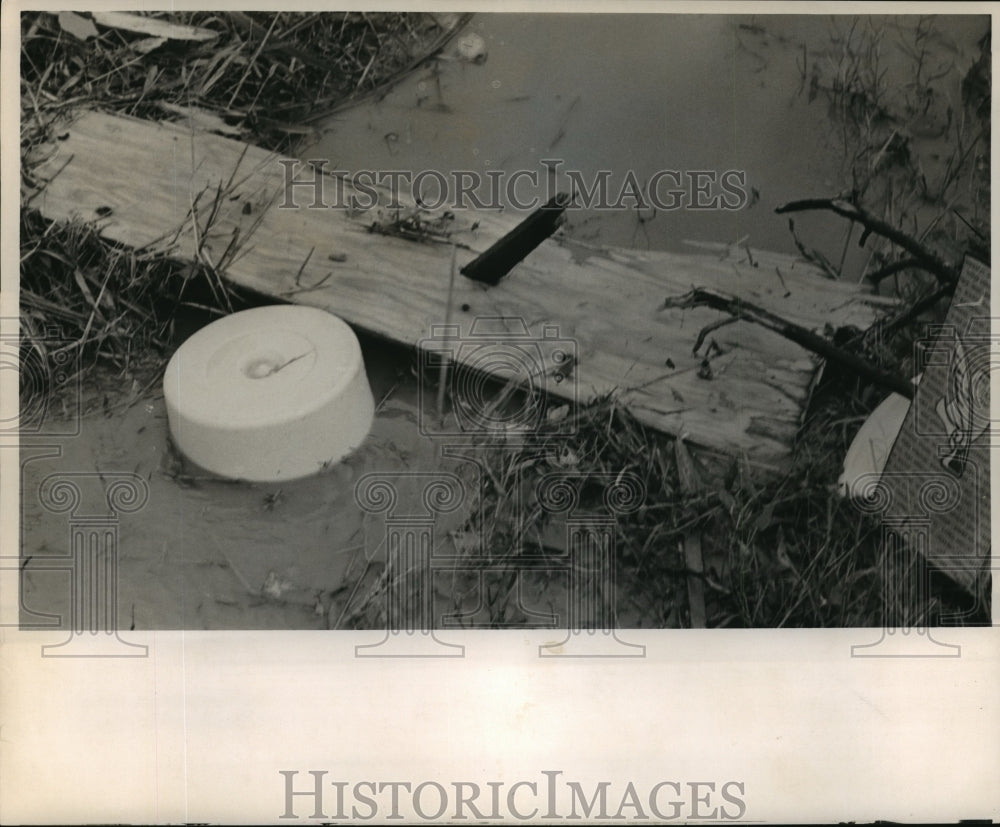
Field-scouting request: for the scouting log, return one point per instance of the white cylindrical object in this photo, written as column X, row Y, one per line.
column 273, row 393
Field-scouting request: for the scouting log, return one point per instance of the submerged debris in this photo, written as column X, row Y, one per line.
column 415, row 224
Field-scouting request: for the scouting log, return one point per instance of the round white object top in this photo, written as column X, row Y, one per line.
column 268, row 393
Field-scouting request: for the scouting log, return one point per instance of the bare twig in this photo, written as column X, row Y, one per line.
column 919, row 306
column 892, row 269
column 872, row 224
column 443, row 375
column 814, row 256
column 735, row 306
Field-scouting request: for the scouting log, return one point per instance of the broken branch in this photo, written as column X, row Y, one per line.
column 872, row 224
column 743, row 311
column 918, row 307
column 892, row 269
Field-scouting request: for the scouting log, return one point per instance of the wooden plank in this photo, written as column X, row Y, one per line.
column 605, row 300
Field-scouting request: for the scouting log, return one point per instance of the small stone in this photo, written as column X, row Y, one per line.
column 472, row 48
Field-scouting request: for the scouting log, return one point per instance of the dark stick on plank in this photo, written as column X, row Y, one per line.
column 873, row 224
column 733, row 305
column 507, row 252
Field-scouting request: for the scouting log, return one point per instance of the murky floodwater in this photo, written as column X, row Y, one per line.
column 641, row 93
column 686, row 94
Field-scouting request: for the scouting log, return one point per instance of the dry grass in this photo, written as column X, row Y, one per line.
column 265, row 75
column 912, row 133
column 264, row 78
column 778, row 552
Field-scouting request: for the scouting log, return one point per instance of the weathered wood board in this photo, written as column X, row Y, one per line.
column 139, row 181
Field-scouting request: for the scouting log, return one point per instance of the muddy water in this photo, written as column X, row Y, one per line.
column 641, row 93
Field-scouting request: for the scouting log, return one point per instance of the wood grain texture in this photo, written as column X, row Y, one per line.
column 605, row 301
